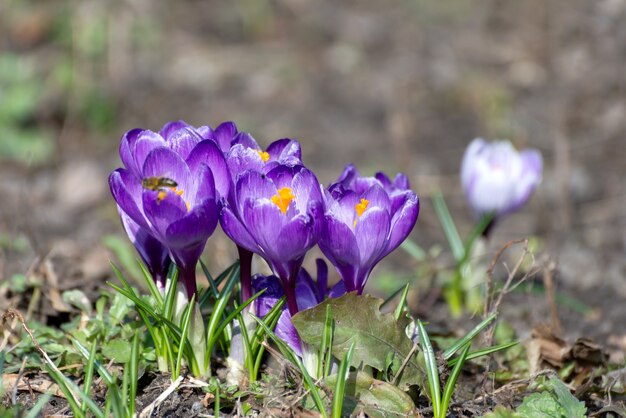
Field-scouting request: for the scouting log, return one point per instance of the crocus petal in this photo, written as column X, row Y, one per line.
column 371, row 234
column 194, row 227
column 377, row 198
column 183, row 141
column 286, row 151
column 127, row 145
column 170, row 127
column 241, row 159
column 224, row 135
column 337, row 290
column 338, row 242
column 265, row 222
column 532, row 167
column 383, row 179
column 245, row 140
column 152, row 252
column 205, row 186
column 401, row 182
column 287, row 332
column 236, row 231
column 162, row 212
column 126, row 190
column 403, row 222
column 206, row 152
column 251, row 186
column 306, row 291
column 473, row 150
column 295, row 238
column 145, row 143
column 282, row 175
column 306, row 188
column 205, row 132
column 348, row 175
column 273, row 292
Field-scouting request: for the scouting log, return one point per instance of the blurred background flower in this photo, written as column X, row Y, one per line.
column 497, row 179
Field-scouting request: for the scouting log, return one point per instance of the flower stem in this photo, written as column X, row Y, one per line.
column 187, row 276
column 290, row 293
column 245, row 273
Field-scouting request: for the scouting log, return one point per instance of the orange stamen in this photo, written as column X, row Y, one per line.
column 161, row 195
column 360, row 208
column 264, row 155
column 283, row 198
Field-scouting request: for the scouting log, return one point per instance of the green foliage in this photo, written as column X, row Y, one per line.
column 340, row 382
column 503, row 412
column 542, row 404
column 375, row 334
column 554, row 402
column 375, row 397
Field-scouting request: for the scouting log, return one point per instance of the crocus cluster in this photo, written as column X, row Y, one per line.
column 176, row 184
column 497, row 179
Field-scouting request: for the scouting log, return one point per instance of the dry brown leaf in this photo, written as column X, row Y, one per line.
column 25, row 383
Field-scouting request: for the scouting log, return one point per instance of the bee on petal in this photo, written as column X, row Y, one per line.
column 158, row 183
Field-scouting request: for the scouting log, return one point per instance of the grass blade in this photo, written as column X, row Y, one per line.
column 233, row 314
column 216, row 404
column 414, row 250
column 484, row 352
column 401, row 303
column 102, row 371
column 340, row 385
column 390, row 298
column 134, row 373
column 35, row 411
column 432, row 370
column 270, row 319
column 449, row 228
column 89, row 374
column 451, row 382
column 69, row 388
column 170, row 295
column 326, row 341
column 154, row 290
column 185, row 321
column 469, row 336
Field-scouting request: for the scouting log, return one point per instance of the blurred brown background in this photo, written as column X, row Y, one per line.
column 388, row 85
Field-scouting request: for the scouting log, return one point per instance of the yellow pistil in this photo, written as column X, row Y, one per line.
column 360, row 208
column 177, row 191
column 264, row 155
column 283, row 198
column 188, row 206
column 162, row 194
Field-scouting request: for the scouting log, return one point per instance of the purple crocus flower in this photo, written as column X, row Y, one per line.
column 497, row 179
column 276, row 215
column 366, row 218
column 170, row 187
column 309, row 293
column 245, row 154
